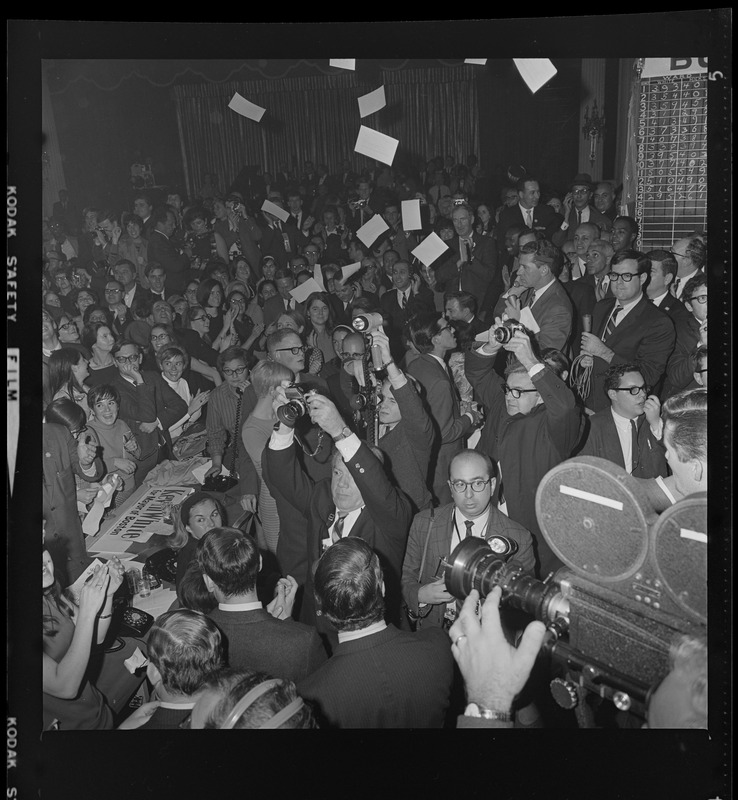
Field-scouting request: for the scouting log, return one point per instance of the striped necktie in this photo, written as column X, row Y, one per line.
column 612, row 322
column 337, row 534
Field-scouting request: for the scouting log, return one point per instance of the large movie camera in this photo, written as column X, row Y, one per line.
column 366, row 399
column 633, row 581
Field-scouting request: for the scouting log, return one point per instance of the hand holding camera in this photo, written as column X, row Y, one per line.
column 324, row 413
column 519, row 345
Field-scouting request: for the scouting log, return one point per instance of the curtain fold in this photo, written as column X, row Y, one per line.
column 430, row 111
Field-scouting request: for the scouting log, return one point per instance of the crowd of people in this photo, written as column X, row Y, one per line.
column 369, row 428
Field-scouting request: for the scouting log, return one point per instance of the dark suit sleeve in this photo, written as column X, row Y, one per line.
column 140, row 403
column 388, row 507
column 563, row 415
column 441, row 401
column 555, row 323
column 170, row 407
column 415, row 420
column 654, row 349
column 487, row 384
column 286, row 475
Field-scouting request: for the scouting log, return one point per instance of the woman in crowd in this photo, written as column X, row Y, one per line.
column 70, row 701
column 193, row 518
column 485, row 224
column 266, row 290
column 69, row 333
column 265, row 378
column 68, row 370
column 52, row 303
column 191, row 292
column 99, row 338
column 133, row 247
column 83, row 299
column 333, row 365
column 62, row 280
column 319, row 324
column 161, row 336
column 370, row 278
column 268, row 268
column 202, row 243
column 173, row 362
column 210, row 297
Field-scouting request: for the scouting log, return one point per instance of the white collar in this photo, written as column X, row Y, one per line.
column 348, row 636
column 253, row 605
column 176, row 706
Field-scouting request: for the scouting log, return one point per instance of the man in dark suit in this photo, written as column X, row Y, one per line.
column 300, row 222
column 529, row 212
column 627, row 328
column 378, row 677
column 284, row 301
column 229, row 561
column 436, row 532
column 604, row 199
column 360, row 209
column 341, row 298
column 357, row 501
column 402, row 241
column 460, row 309
column 157, row 279
column 471, row 265
column 64, row 212
column 409, row 296
column 680, row 369
column 533, row 424
column 577, row 209
column 163, row 251
column 143, row 207
column 125, row 273
column 405, row 429
column 544, row 307
column 278, row 239
column 597, row 261
column 627, row 433
column 433, row 337
column 63, row 459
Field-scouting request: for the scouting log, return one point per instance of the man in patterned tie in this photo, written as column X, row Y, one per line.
column 627, row 328
column 436, row 532
column 598, row 258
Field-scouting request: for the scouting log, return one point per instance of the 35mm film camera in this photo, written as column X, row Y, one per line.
column 632, row 581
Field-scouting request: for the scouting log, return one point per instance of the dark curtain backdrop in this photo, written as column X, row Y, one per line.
column 430, row 111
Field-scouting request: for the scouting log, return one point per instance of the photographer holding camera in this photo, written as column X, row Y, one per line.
column 533, row 424
column 357, row 500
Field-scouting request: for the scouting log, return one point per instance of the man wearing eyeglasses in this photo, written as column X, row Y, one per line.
column 629, row 432
column 578, row 210
column 690, row 254
column 533, row 423
column 626, row 328
column 680, row 367
column 436, row 532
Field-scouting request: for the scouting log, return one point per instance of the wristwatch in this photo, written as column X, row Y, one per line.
column 346, row 431
column 475, row 710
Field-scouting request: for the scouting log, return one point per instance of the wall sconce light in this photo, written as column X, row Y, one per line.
column 593, row 129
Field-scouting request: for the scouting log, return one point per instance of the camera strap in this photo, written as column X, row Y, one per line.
column 236, row 431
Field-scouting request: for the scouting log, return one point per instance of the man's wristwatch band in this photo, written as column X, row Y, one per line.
column 475, row 710
column 346, row 431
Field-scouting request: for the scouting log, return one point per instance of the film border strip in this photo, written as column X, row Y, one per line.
column 675, row 95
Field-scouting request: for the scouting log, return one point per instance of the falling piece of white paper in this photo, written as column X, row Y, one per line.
column 480, row 61
column 246, row 108
column 305, row 289
column 430, row 248
column 411, row 215
column 369, row 103
column 372, row 230
column 318, row 277
column 273, row 208
column 349, row 270
column 535, row 71
column 376, row 145
column 343, row 63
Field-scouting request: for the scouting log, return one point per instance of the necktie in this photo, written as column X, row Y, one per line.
column 531, row 299
column 634, row 445
column 600, row 290
column 529, row 214
column 612, row 322
column 403, row 301
column 338, row 527
column 579, row 217
column 469, row 525
column 676, row 283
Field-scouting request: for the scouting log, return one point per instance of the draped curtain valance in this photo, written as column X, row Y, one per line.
column 430, row 111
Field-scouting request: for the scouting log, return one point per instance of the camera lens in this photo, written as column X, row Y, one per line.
column 289, row 413
column 503, row 335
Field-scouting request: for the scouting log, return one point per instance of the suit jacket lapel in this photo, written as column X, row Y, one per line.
column 629, row 322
